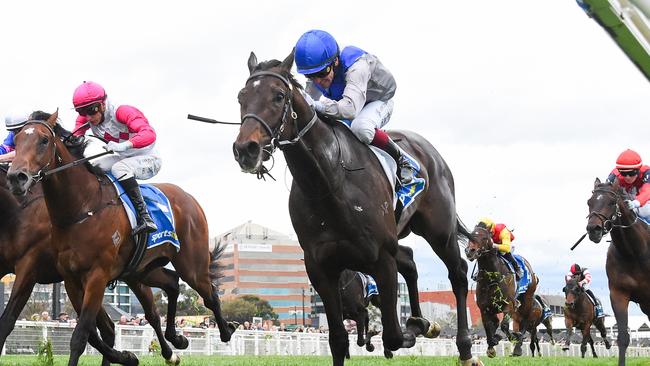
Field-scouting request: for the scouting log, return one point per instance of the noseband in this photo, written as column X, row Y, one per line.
column 42, row 173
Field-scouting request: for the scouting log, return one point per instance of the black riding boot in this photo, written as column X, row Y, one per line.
column 405, row 171
column 518, row 272
column 599, row 306
column 144, row 221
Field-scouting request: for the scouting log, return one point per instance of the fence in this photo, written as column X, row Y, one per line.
column 27, row 336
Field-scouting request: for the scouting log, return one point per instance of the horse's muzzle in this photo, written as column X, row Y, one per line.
column 248, row 155
column 595, row 232
column 19, row 182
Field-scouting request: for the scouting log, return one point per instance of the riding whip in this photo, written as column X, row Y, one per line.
column 579, row 240
column 210, row 120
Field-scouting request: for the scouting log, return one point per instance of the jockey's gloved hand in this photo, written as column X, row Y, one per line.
column 632, row 204
column 315, row 104
column 118, row 146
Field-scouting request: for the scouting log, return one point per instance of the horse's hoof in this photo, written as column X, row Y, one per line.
column 370, row 347
column 474, row 361
column 434, row 330
column 361, row 342
column 409, row 340
column 491, row 352
column 388, row 354
column 180, row 342
column 417, row 325
column 130, row 359
column 174, row 360
column 608, row 345
column 233, row 326
column 347, row 354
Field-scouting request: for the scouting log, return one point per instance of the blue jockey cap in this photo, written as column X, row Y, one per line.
column 315, row 50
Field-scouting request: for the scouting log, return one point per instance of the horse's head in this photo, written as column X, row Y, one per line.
column 35, row 152
column 572, row 291
column 480, row 242
column 267, row 108
column 604, row 208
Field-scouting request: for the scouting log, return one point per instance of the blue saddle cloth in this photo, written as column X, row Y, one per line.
column 546, row 313
column 159, row 209
column 371, row 287
column 525, row 280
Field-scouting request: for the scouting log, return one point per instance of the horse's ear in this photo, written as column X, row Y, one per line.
column 53, row 118
column 252, row 62
column 288, row 62
column 597, row 182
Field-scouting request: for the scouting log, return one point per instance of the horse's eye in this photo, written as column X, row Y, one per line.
column 44, row 141
column 279, row 97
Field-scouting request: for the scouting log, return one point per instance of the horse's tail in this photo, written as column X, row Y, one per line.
column 215, row 268
column 462, row 232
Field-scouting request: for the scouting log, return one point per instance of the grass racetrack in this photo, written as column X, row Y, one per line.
column 324, row 361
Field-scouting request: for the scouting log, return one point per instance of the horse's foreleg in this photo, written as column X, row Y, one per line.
column 568, row 323
column 22, row 288
column 620, row 301
column 490, row 323
column 600, row 325
column 326, row 285
column 88, row 309
column 591, row 343
column 362, row 323
column 386, row 277
column 145, row 296
column 167, row 280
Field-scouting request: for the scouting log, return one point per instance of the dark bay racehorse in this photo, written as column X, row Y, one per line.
column 496, row 290
column 341, row 202
column 355, row 304
column 579, row 312
column 536, row 318
column 92, row 234
column 628, row 256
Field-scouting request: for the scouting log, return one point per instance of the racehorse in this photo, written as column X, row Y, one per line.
column 537, row 318
column 579, row 312
column 341, row 202
column 92, row 234
column 355, row 301
column 496, row 290
column 627, row 257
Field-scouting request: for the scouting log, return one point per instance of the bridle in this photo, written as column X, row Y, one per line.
column 42, row 173
column 484, row 246
column 608, row 223
column 287, row 110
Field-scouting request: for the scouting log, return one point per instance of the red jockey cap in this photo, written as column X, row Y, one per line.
column 629, row 159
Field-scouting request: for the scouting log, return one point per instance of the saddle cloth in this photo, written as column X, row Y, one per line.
column 159, row 209
column 369, row 285
column 405, row 194
column 525, row 280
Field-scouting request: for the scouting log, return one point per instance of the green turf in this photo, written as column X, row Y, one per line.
column 322, row 360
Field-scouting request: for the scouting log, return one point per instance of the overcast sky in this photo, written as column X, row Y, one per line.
column 528, row 102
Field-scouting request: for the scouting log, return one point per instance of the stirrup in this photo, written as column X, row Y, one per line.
column 405, row 171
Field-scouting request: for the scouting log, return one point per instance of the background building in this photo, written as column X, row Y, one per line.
column 269, row 264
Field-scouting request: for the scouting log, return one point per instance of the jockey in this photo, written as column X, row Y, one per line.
column 13, row 123
column 501, row 239
column 352, row 85
column 634, row 177
column 129, row 136
column 584, row 281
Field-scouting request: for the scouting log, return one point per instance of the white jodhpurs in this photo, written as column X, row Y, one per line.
column 373, row 115
column 138, row 163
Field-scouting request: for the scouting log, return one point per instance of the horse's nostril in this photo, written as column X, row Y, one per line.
column 252, row 149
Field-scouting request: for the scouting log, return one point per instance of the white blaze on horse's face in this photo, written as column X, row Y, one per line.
column 256, row 83
column 29, row 131
column 599, row 197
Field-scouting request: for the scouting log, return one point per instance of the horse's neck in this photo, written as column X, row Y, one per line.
column 9, row 211
column 631, row 241
column 311, row 162
column 69, row 192
column 489, row 263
